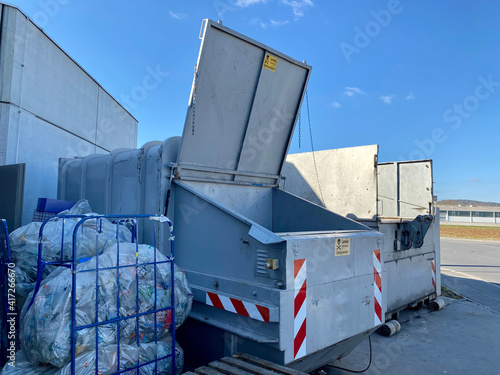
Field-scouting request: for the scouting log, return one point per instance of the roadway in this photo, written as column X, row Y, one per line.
column 461, row 339
column 472, row 259
column 471, row 268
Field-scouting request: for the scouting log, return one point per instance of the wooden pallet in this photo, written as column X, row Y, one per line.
column 244, row 364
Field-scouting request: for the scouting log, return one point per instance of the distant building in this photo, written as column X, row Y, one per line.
column 469, row 214
column 49, row 108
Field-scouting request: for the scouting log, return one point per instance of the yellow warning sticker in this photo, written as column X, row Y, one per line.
column 342, row 247
column 270, row 62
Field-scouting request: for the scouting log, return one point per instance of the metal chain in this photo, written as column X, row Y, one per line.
column 193, row 102
column 312, row 148
column 300, row 131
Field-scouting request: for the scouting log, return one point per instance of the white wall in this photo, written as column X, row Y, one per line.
column 483, row 219
column 469, row 219
column 51, row 108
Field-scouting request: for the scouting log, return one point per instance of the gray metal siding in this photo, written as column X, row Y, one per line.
column 51, row 108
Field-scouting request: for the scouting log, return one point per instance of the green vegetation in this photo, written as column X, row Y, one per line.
column 445, row 292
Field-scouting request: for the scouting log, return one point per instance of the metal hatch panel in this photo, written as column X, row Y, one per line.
column 244, row 103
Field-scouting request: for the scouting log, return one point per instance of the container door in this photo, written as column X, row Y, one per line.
column 244, row 103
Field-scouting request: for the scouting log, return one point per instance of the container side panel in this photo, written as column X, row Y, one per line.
column 339, row 301
column 211, row 241
column 242, row 110
column 389, row 231
column 153, row 191
column 167, row 153
column 71, row 187
column 272, row 119
column 410, row 273
column 437, row 248
column 348, row 179
column 415, row 181
column 125, row 183
column 228, row 72
column 405, row 188
column 387, row 190
column 410, row 279
column 294, row 214
column 95, row 180
column 249, row 201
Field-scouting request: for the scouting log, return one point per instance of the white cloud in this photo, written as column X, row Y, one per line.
column 351, row 91
column 278, row 23
column 177, row 16
column 410, row 96
column 298, row 6
column 247, row 3
column 387, row 98
column 336, row 105
column 273, row 23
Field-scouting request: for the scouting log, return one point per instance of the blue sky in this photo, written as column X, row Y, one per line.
column 419, row 78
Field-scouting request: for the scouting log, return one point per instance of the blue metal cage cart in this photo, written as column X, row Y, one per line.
column 117, row 313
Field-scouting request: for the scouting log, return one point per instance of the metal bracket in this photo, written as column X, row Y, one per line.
column 413, row 233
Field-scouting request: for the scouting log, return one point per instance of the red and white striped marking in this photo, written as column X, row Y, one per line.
column 300, row 302
column 377, row 286
column 239, row 307
column 433, row 266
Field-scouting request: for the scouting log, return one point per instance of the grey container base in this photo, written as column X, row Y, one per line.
column 205, row 343
column 415, row 305
column 392, row 326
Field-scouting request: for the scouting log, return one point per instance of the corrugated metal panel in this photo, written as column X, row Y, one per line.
column 123, row 181
column 51, row 108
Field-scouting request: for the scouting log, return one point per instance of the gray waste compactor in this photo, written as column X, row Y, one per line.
column 395, row 198
column 272, row 274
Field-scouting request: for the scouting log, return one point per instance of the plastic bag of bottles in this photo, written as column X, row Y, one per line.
column 125, row 270
column 130, row 356
column 57, row 244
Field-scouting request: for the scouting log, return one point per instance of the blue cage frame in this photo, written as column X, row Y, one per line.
column 132, row 221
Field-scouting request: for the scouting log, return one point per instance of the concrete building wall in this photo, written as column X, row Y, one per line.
column 473, row 215
column 50, row 108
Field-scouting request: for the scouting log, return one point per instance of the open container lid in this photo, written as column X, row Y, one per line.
column 244, row 104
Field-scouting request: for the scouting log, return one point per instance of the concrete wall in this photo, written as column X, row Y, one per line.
column 51, row 108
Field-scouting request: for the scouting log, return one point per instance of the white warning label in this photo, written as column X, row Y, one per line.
column 342, row 247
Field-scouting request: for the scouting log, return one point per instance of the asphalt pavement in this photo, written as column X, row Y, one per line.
column 463, row 338
column 471, row 259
